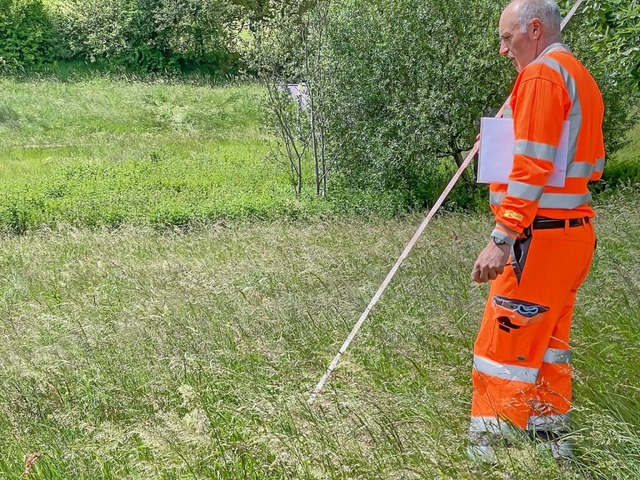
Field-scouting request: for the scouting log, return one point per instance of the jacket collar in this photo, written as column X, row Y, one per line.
column 555, row 46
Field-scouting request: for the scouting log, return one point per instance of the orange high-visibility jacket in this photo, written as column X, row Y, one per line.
column 553, row 88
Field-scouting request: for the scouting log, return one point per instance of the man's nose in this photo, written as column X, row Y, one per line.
column 504, row 50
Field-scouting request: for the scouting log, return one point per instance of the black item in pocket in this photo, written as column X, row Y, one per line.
column 519, row 252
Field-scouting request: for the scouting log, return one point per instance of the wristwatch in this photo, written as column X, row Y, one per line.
column 498, row 241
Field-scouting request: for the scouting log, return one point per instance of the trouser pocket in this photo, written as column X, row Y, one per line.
column 513, row 312
column 514, row 329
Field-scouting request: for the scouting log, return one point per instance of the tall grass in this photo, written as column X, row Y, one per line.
column 131, row 354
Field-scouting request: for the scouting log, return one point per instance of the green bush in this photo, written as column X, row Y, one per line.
column 397, row 88
column 151, row 35
column 612, row 73
column 617, row 34
column 622, row 172
column 405, row 83
column 623, row 168
column 28, row 35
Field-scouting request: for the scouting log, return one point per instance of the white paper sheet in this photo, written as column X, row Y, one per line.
column 496, row 152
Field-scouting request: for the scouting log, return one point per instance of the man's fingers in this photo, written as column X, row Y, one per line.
column 475, row 275
column 480, row 275
column 483, row 275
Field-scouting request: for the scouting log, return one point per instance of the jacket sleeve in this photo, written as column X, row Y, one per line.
column 539, row 109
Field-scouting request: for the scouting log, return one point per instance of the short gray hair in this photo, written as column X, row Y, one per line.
column 546, row 10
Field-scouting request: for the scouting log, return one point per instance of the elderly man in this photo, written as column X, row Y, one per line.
column 543, row 242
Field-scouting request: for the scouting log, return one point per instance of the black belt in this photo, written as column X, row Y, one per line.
column 544, row 223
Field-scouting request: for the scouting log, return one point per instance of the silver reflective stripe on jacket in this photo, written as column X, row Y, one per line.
column 575, row 115
column 507, row 229
column 563, row 201
column 585, row 169
column 506, row 372
column 524, row 190
column 580, row 170
column 566, row 201
column 541, row 151
column 599, row 165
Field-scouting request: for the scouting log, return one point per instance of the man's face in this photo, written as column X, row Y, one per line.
column 519, row 46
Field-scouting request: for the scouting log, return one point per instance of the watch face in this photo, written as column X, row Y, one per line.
column 498, row 241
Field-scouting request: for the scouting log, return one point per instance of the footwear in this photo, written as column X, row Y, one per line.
column 481, row 446
column 484, row 454
column 560, row 444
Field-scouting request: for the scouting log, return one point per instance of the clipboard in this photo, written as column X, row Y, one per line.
column 495, row 160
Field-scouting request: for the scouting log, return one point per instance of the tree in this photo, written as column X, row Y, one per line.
column 617, row 34
column 288, row 53
column 407, row 81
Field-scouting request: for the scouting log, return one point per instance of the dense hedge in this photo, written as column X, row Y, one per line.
column 28, row 35
column 151, row 35
column 139, row 35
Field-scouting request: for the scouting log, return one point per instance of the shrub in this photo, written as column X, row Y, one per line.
column 617, row 34
column 151, row 35
column 613, row 75
column 28, row 35
column 398, row 87
column 406, row 83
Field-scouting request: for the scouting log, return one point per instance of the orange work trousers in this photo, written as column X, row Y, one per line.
column 522, row 360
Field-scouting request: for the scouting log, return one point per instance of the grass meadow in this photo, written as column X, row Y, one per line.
column 129, row 351
column 100, row 152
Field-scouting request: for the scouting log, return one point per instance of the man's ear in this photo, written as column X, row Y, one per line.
column 536, row 29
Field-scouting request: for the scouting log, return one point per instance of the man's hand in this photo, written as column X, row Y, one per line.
column 490, row 262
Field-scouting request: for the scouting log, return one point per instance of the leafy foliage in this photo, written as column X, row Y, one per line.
column 151, row 35
column 406, row 83
column 254, row 10
column 400, row 85
column 612, row 69
column 27, row 33
column 396, row 86
column 617, row 33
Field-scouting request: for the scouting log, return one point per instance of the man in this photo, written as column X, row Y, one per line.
column 542, row 245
